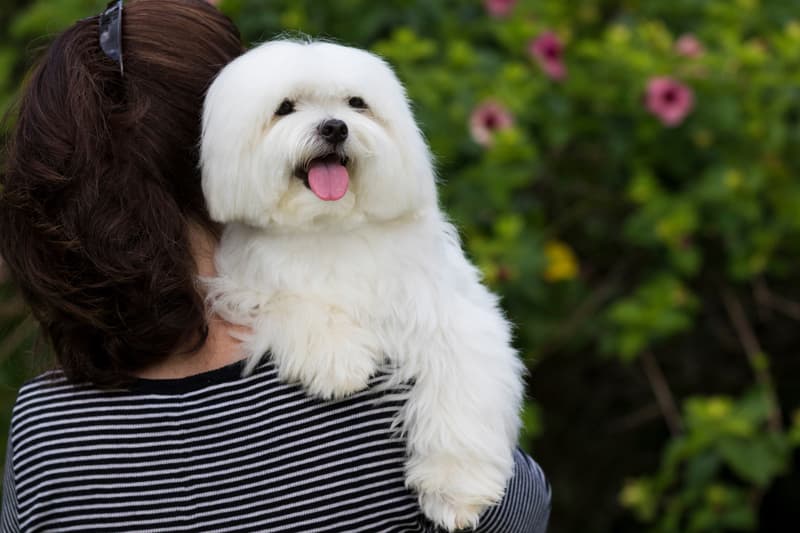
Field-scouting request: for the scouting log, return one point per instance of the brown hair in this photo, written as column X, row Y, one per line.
column 101, row 185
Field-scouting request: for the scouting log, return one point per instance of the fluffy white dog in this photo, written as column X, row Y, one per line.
column 337, row 257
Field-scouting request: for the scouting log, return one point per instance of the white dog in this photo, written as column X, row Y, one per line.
column 337, row 257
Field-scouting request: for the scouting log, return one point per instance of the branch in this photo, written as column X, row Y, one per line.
column 666, row 401
column 635, row 419
column 775, row 301
column 18, row 335
column 587, row 308
column 755, row 355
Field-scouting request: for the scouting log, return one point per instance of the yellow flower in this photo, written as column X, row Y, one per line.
column 717, row 495
column 619, row 34
column 633, row 493
column 733, row 179
column 793, row 29
column 561, row 262
column 718, row 407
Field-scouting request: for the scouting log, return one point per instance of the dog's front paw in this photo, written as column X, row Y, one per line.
column 324, row 349
column 453, row 492
column 338, row 370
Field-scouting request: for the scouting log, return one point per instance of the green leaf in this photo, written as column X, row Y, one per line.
column 756, row 460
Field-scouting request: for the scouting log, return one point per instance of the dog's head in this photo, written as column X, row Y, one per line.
column 303, row 135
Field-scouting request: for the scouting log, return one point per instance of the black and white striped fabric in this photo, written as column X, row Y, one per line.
column 221, row 452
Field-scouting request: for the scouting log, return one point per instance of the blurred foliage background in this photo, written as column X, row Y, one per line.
column 625, row 174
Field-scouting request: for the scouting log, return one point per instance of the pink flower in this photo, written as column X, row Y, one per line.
column 549, row 53
column 669, row 100
column 499, row 8
column 688, row 45
column 488, row 118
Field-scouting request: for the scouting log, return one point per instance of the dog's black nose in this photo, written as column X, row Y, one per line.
column 334, row 130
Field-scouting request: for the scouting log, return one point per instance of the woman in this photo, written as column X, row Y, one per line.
column 147, row 424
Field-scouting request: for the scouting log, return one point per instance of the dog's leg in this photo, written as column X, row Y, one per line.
column 462, row 417
column 316, row 344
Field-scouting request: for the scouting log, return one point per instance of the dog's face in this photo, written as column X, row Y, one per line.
column 301, row 136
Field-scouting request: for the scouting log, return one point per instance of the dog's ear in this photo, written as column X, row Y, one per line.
column 228, row 154
column 225, row 174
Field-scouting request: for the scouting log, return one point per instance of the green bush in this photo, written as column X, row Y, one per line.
column 624, row 175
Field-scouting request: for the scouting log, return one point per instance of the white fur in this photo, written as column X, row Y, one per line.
column 335, row 290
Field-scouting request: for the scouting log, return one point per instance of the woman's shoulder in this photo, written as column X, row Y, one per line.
column 38, row 390
column 214, row 441
column 50, row 400
column 44, row 398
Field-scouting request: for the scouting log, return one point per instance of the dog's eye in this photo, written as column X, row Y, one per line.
column 286, row 107
column 357, row 102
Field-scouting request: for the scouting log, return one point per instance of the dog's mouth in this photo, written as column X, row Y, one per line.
column 326, row 176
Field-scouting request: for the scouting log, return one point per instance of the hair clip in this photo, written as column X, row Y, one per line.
column 111, row 32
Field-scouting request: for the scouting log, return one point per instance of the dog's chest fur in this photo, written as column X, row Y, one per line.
column 341, row 303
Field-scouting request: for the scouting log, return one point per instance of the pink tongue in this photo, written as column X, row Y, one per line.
column 328, row 179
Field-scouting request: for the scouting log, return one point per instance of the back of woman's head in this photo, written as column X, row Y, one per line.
column 101, row 185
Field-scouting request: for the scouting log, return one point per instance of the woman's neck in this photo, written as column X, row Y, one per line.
column 220, row 348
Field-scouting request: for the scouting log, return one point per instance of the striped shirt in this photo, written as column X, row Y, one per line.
column 221, row 452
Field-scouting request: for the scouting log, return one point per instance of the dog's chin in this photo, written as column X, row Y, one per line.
column 301, row 210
